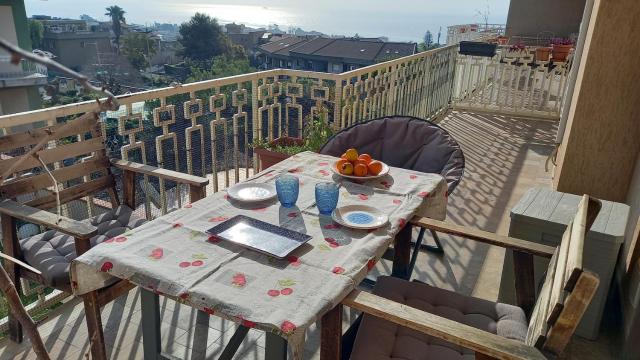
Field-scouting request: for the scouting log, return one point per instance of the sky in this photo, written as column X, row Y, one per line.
column 400, row 20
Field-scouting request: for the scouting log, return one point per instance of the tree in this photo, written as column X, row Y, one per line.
column 36, row 31
column 202, row 38
column 428, row 39
column 116, row 13
column 139, row 48
column 221, row 66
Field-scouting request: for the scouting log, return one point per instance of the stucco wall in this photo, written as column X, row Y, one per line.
column 531, row 17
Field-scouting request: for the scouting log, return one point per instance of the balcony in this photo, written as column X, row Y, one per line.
column 503, row 113
column 26, row 73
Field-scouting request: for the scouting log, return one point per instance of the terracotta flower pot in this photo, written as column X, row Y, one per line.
column 543, row 53
column 560, row 52
column 503, row 40
column 268, row 158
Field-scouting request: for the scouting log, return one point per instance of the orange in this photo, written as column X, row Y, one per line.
column 343, row 156
column 344, row 167
column 375, row 167
column 351, row 155
column 366, row 158
column 360, row 170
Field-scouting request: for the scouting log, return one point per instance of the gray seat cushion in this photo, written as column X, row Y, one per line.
column 405, row 142
column 51, row 252
column 379, row 339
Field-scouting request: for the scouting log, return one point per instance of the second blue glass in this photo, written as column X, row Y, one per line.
column 287, row 187
column 327, row 197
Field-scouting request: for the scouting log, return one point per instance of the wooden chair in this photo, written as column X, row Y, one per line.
column 75, row 155
column 413, row 320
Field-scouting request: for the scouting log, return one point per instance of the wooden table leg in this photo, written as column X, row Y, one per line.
column 402, row 253
column 150, row 308
column 331, row 334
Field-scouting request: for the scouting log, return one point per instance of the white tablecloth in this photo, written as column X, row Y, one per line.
column 172, row 256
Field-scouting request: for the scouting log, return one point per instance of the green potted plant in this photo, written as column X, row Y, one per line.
column 316, row 134
column 561, row 48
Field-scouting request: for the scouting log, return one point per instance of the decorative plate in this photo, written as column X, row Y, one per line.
column 383, row 172
column 359, row 217
column 252, row 192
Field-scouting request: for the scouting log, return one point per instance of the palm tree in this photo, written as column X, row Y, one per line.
column 116, row 13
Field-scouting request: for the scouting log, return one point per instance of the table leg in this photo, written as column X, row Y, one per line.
column 150, row 309
column 331, row 334
column 402, row 253
column 201, row 333
column 275, row 347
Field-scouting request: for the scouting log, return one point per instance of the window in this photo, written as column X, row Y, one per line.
column 352, row 67
column 82, row 44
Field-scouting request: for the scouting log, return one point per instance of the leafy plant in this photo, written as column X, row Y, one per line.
column 316, row 134
column 562, row 41
column 517, row 47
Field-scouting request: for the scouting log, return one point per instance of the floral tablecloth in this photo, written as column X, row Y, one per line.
column 173, row 255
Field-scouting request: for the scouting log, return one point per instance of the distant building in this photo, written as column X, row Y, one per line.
column 330, row 54
column 76, row 44
column 18, row 83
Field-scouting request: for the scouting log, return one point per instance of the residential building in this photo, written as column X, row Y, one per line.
column 530, row 20
column 18, row 83
column 77, row 45
column 329, row 54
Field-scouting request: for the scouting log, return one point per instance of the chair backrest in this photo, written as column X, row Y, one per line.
column 567, row 289
column 73, row 151
column 405, row 142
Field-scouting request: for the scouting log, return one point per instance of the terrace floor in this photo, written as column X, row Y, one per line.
column 505, row 157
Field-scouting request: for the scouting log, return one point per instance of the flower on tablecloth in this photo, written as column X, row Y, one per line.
column 371, row 263
column 363, row 197
column 157, row 254
column 118, row 239
column 337, row 270
column 188, row 206
column 413, row 177
column 332, row 242
column 239, row 280
column 402, row 222
column 218, row 219
column 177, row 225
column 214, row 239
column 294, row 260
column 397, row 201
column 106, row 266
column 423, row 194
column 296, row 170
column 332, row 226
column 287, row 327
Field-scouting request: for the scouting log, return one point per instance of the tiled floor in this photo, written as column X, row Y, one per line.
column 505, row 156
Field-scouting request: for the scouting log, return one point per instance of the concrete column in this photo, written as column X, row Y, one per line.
column 602, row 140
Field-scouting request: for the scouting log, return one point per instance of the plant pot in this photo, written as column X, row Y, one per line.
column 474, row 48
column 543, row 54
column 268, row 158
column 503, row 40
column 561, row 52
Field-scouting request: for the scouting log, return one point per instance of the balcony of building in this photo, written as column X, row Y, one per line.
column 25, row 73
column 505, row 111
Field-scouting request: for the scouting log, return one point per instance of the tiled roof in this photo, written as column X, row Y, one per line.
column 365, row 50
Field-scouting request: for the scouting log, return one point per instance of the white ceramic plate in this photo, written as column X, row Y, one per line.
column 359, row 217
column 252, row 192
column 383, row 172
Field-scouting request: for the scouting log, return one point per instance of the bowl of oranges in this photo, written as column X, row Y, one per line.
column 359, row 166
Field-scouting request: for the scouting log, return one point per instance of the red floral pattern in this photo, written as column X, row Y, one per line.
column 287, row 327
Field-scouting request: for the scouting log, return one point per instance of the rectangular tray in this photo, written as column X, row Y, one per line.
column 260, row 236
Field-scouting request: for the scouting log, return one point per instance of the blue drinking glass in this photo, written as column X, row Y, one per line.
column 327, row 197
column 287, row 187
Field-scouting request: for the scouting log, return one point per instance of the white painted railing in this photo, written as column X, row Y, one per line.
column 206, row 128
column 510, row 85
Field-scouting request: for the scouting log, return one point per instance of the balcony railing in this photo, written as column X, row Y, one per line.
column 25, row 68
column 207, row 128
column 511, row 83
